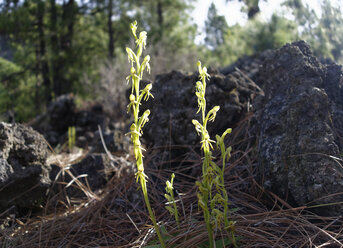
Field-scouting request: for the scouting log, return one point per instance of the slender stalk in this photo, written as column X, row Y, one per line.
column 170, row 198
column 151, row 213
column 228, row 226
column 209, row 228
column 176, row 215
column 205, row 186
column 213, row 175
column 136, row 97
column 226, row 199
column 225, row 156
column 207, row 198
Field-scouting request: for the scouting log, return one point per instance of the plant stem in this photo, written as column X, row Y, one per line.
column 175, row 208
column 136, row 128
column 207, row 218
column 208, row 196
column 151, row 213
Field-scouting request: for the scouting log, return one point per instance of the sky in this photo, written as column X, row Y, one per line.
column 233, row 15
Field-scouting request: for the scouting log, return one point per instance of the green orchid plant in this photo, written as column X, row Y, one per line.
column 136, row 97
column 215, row 207
column 71, row 137
column 171, row 200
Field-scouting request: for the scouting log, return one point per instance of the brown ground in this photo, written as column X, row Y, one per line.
column 116, row 216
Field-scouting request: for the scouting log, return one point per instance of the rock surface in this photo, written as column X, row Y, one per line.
column 24, row 176
column 250, row 65
column 175, row 105
column 62, row 114
column 114, row 141
column 300, row 123
column 99, row 169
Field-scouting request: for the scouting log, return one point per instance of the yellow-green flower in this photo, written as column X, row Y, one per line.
column 136, row 129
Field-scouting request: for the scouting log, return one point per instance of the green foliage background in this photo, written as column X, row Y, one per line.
column 53, row 47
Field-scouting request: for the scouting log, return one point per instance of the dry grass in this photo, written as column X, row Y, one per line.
column 117, row 217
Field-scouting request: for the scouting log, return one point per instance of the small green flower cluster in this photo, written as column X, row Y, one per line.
column 137, row 95
column 214, row 207
column 71, row 137
column 171, row 200
column 212, row 174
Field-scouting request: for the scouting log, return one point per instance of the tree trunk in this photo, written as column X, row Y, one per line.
column 42, row 59
column 160, row 18
column 110, row 30
column 61, row 42
column 68, row 18
column 54, row 47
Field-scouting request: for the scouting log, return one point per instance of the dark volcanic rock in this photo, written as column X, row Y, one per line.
column 89, row 120
column 99, row 169
column 24, row 176
column 114, row 141
column 55, row 122
column 62, row 114
column 300, row 123
column 250, row 65
column 175, row 105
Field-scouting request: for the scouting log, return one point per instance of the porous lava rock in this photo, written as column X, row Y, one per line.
column 95, row 171
column 113, row 140
column 300, row 123
column 249, row 65
column 55, row 122
column 24, row 174
column 62, row 114
column 175, row 105
column 90, row 119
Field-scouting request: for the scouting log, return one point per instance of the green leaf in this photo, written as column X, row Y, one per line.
column 170, row 209
column 168, row 197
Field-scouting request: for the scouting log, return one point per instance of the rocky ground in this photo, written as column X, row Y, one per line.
column 285, row 178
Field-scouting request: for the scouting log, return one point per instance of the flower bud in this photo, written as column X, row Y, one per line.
column 147, row 58
column 146, row 112
column 148, row 87
column 216, row 108
column 133, row 127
